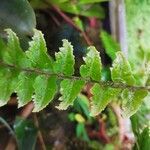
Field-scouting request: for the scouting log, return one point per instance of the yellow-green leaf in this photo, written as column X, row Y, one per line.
column 92, row 68
column 64, row 63
column 121, row 70
column 69, row 91
column 101, row 97
column 132, row 100
column 45, row 89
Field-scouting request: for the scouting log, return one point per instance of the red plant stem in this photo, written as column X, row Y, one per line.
column 27, row 110
column 40, row 137
column 69, row 21
column 102, row 131
column 12, row 101
column 11, row 144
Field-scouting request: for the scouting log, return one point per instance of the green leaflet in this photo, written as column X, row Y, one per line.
column 8, row 81
column 144, row 139
column 91, row 1
column 94, row 10
column 92, row 68
column 64, row 63
column 13, row 53
column 132, row 100
column 101, row 97
column 87, row 8
column 25, row 133
column 69, row 91
column 81, row 132
column 121, row 70
column 139, row 120
column 45, row 89
column 110, row 45
column 25, row 88
column 37, row 53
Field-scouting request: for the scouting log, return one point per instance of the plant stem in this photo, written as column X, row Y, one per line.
column 41, row 140
column 27, row 110
column 8, row 127
column 111, row 84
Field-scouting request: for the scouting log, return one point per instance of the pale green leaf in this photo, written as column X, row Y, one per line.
column 69, row 91
column 25, row 88
column 37, row 52
column 101, row 97
column 93, row 66
column 121, row 70
column 45, row 89
column 8, row 81
column 64, row 63
column 132, row 100
column 14, row 53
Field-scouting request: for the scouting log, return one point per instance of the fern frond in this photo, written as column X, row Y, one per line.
column 34, row 75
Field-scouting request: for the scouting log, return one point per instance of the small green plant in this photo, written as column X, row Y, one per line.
column 34, row 75
column 86, row 8
column 23, row 131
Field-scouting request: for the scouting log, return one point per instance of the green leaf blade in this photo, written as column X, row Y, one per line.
column 8, row 82
column 92, row 68
column 132, row 100
column 25, row 133
column 121, row 71
column 13, row 53
column 144, row 139
column 82, row 9
column 64, row 63
column 37, row 53
column 45, row 90
column 91, row 1
column 25, row 88
column 69, row 91
column 101, row 98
